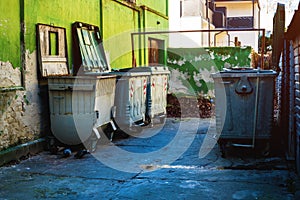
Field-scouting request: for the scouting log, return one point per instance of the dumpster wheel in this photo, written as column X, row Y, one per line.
column 223, row 147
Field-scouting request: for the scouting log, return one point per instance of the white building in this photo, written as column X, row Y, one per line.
column 217, row 15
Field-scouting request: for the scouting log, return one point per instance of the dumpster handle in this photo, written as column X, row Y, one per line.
column 58, row 97
column 255, row 118
column 225, row 82
column 255, row 111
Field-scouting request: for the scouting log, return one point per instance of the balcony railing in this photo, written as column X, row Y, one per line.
column 240, row 22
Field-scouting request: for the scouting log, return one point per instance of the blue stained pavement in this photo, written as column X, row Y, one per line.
column 243, row 174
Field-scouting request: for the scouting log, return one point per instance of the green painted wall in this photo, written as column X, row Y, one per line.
column 119, row 19
column 10, row 32
column 158, row 5
column 154, row 22
column 116, row 18
column 118, row 22
column 58, row 13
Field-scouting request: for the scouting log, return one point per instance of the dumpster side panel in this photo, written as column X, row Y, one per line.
column 104, row 102
column 122, row 102
column 158, row 95
column 235, row 112
column 130, row 99
column 71, row 109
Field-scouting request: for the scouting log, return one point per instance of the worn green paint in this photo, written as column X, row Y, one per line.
column 190, row 61
column 159, row 6
column 154, row 22
column 58, row 13
column 120, row 19
column 10, row 32
column 116, row 18
column 118, row 22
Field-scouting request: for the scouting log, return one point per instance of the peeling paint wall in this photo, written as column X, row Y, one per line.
column 191, row 67
column 20, row 110
column 24, row 110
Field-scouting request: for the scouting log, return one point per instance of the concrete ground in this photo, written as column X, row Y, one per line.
column 180, row 160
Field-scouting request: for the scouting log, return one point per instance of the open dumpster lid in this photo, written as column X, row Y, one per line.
column 88, row 52
column 52, row 52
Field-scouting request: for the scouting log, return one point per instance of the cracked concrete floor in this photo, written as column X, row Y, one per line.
column 180, row 160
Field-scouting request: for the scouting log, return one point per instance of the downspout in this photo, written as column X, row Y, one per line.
column 144, row 36
column 208, row 21
column 259, row 12
column 253, row 13
column 167, row 7
column 132, row 43
column 140, row 39
column 22, row 43
column 101, row 17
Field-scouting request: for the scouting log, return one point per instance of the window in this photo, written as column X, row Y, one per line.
column 156, row 51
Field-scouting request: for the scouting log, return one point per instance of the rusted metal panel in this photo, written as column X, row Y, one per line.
column 52, row 50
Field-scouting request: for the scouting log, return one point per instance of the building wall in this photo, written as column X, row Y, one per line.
column 189, row 18
column 237, row 9
column 10, row 32
column 296, row 48
column 242, row 9
column 120, row 18
column 290, row 92
column 23, row 96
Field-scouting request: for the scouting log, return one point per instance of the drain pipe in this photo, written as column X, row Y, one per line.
column 208, row 21
column 22, row 43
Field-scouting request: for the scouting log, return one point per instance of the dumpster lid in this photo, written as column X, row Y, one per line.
column 153, row 69
column 238, row 72
column 135, row 71
column 88, row 52
column 52, row 51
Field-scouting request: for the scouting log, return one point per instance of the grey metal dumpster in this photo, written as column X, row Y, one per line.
column 78, row 105
column 82, row 102
column 156, row 92
column 130, row 98
column 244, row 106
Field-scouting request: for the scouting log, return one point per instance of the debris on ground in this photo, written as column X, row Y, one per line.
column 185, row 106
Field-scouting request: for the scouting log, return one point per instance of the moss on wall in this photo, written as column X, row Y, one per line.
column 191, row 62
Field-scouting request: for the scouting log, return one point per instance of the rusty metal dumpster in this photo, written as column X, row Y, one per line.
column 244, row 106
column 82, row 102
